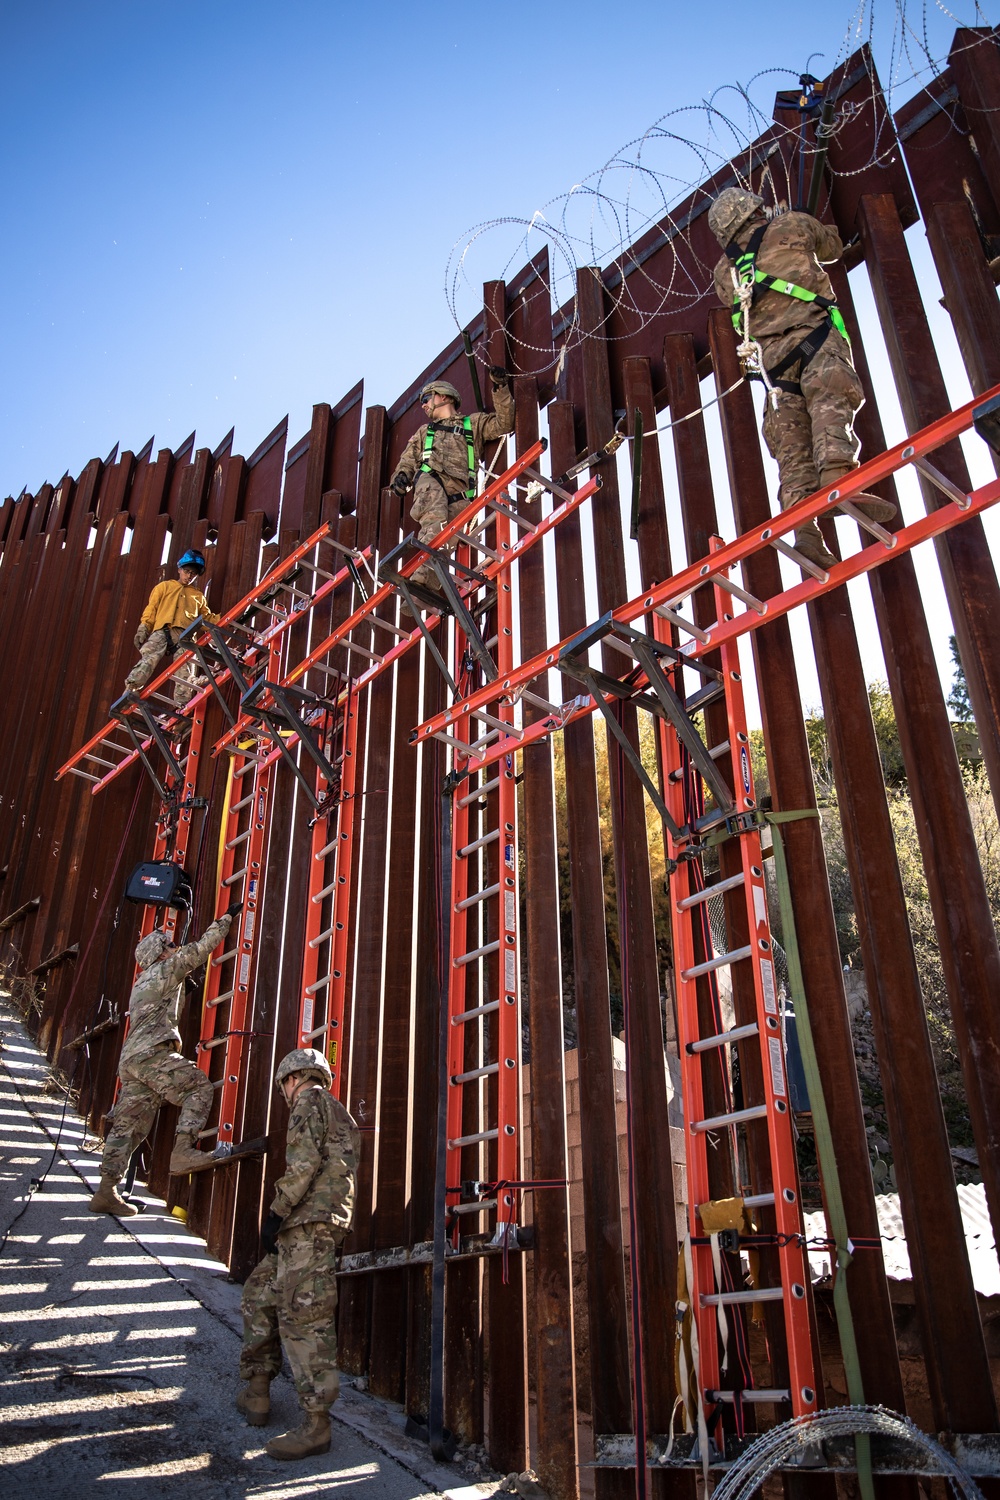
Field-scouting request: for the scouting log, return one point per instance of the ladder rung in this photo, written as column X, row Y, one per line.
column 473, row 1208
column 732, row 1299
column 472, row 1140
column 243, row 802
column 459, row 745
column 364, row 651
column 320, row 1031
column 738, row 593
column 240, row 838
column 321, row 984
column 221, row 999
column 220, row 1041
column 321, row 937
column 491, row 890
column 98, row 760
column 470, row 1015
column 718, row 889
column 711, row 964
column 87, row 775
column 487, row 838
column 232, row 879
column 469, row 539
column 396, row 630
column 550, row 708
column 114, row 745
column 321, row 895
column 485, row 1072
column 470, row 958
column 737, row 1034
column 249, row 765
column 224, row 958
column 319, row 572
column 737, row 1117
column 758, row 1200
column 847, row 508
column 682, row 624
column 503, row 725
column 718, row 750
column 760, row 1394
column 322, row 853
column 518, row 520
column 481, row 791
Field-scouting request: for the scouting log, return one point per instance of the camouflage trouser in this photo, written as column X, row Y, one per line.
column 813, row 432
column 432, row 509
column 162, row 1076
column 291, row 1300
column 159, row 644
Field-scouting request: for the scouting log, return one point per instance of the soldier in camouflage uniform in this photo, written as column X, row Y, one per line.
column 151, row 1069
column 290, row 1299
column 809, row 424
column 444, row 477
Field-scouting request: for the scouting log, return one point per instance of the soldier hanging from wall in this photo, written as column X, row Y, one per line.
column 784, row 309
column 290, row 1299
column 151, row 1069
column 440, row 459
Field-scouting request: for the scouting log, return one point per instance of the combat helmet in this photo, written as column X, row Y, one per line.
column 150, row 948
column 442, row 388
column 304, row 1060
column 730, row 211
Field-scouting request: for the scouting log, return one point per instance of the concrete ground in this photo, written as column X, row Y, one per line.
column 119, row 1343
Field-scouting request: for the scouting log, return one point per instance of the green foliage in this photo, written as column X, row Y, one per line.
column 958, row 699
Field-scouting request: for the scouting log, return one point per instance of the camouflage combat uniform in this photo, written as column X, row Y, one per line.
column 440, row 495
column 172, row 607
column 291, row 1297
column 151, row 1068
column 812, row 433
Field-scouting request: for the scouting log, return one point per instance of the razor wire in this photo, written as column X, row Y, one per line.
column 654, row 185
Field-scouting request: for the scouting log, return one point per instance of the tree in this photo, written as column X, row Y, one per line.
column 958, row 699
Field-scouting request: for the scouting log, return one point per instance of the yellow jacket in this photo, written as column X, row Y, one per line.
column 176, row 604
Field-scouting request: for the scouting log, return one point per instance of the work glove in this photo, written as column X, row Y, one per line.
column 269, row 1233
column 400, row 484
column 499, row 376
column 234, row 908
column 142, row 636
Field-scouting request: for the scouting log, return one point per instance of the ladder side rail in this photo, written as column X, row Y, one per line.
column 792, row 1254
column 345, row 864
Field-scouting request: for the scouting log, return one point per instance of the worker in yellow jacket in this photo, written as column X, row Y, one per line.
column 173, row 605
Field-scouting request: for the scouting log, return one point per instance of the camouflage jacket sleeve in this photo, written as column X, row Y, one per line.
column 304, row 1153
column 829, row 245
column 409, row 459
column 321, row 1160
column 192, row 955
column 490, row 425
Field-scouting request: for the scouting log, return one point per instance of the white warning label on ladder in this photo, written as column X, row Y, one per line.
column 767, row 981
column 509, row 910
column 777, row 1065
column 509, row 972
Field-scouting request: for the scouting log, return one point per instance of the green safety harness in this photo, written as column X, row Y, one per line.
column 744, row 262
column 435, row 427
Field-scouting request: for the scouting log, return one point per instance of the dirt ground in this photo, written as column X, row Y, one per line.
column 119, row 1343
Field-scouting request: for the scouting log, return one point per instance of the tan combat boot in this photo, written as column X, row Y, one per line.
column 311, row 1436
column 254, row 1400
column 809, row 541
column 872, row 506
column 107, row 1201
column 185, row 1157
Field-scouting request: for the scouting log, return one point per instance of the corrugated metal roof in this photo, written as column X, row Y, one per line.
column 978, row 1239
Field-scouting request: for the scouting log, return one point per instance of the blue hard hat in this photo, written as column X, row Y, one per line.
column 192, row 559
